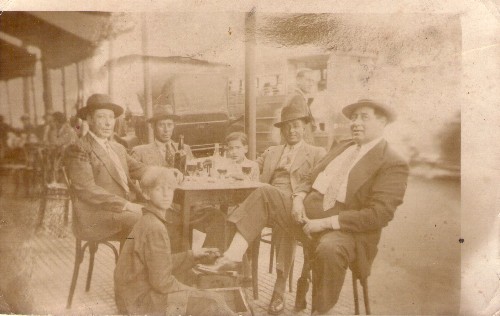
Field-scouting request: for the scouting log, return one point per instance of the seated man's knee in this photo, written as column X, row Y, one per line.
column 332, row 251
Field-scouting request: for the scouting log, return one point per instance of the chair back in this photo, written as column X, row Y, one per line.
column 73, row 199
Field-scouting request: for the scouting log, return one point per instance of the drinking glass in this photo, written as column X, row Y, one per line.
column 222, row 170
column 246, row 170
column 191, row 168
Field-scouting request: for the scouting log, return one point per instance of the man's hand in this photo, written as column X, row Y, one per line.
column 206, row 252
column 298, row 210
column 316, row 226
column 134, row 208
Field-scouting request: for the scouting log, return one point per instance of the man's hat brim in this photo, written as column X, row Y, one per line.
column 163, row 117
column 307, row 119
column 83, row 112
column 388, row 111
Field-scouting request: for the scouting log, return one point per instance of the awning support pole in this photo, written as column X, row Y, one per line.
column 250, row 89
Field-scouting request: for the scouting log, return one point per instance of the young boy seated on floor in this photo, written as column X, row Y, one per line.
column 145, row 281
column 241, row 168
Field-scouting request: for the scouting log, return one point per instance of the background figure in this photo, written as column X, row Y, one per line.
column 64, row 134
column 300, row 97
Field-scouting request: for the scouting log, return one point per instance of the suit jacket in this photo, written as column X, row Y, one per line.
column 375, row 188
column 97, row 185
column 302, row 165
column 151, row 155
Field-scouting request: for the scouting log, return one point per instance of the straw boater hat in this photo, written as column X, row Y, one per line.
column 163, row 112
column 99, row 101
column 292, row 112
column 387, row 110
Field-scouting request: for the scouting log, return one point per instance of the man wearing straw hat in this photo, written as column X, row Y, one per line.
column 162, row 150
column 338, row 209
column 101, row 174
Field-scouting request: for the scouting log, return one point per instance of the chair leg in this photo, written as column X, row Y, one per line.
column 255, row 268
column 271, row 254
column 41, row 212
column 76, row 269
column 66, row 212
column 110, row 245
column 92, row 250
column 290, row 276
column 355, row 293
column 365, row 296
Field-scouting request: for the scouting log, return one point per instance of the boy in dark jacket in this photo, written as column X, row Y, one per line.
column 145, row 281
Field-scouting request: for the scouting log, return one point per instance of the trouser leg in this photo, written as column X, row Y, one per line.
column 331, row 258
column 125, row 221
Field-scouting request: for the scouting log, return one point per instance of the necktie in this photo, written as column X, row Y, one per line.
column 169, row 155
column 117, row 164
column 337, row 179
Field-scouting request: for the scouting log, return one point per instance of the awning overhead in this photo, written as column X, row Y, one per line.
column 15, row 61
column 63, row 37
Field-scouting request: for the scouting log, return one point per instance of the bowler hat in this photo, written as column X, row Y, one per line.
column 389, row 112
column 163, row 112
column 292, row 112
column 99, row 101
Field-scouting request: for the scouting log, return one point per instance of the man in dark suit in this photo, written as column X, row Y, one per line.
column 161, row 152
column 283, row 167
column 340, row 208
column 100, row 172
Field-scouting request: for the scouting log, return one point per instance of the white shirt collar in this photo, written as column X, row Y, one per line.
column 99, row 140
column 366, row 147
column 295, row 146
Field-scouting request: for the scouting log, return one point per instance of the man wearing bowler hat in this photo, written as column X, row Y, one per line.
column 100, row 171
column 284, row 168
column 161, row 152
column 339, row 209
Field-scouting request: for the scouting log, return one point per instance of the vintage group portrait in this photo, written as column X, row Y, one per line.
column 208, row 161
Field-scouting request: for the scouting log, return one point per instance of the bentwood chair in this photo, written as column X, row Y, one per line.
column 82, row 242
column 364, row 285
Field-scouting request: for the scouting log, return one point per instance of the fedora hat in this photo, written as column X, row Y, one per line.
column 387, row 110
column 163, row 112
column 292, row 112
column 99, row 101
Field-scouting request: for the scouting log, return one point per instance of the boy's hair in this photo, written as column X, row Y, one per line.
column 155, row 176
column 237, row 136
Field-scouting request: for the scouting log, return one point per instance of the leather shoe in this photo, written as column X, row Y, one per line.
column 277, row 304
column 221, row 265
column 300, row 297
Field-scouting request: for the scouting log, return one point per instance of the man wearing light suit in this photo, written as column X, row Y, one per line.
column 161, row 152
column 284, row 168
column 100, row 172
column 340, row 208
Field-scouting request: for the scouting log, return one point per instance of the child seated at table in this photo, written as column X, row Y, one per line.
column 241, row 167
column 145, row 281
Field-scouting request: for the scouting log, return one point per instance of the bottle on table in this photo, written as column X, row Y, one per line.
column 180, row 156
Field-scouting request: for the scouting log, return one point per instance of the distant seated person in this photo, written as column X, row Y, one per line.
column 145, row 275
column 64, row 134
column 162, row 150
column 241, row 167
column 28, row 132
column 79, row 126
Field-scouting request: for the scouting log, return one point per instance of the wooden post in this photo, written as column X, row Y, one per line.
column 148, row 96
column 47, row 86
column 26, row 96
column 9, row 106
column 63, row 85
column 35, row 112
column 250, row 89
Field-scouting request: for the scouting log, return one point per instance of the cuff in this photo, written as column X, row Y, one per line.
column 301, row 194
column 125, row 206
column 334, row 221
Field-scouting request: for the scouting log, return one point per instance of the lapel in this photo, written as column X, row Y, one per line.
column 156, row 150
column 103, row 156
column 275, row 158
column 364, row 169
column 301, row 156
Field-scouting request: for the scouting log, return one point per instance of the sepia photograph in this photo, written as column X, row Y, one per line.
column 203, row 160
